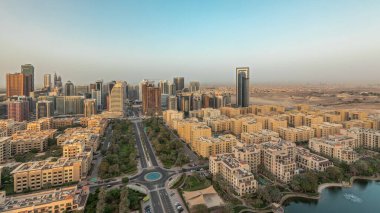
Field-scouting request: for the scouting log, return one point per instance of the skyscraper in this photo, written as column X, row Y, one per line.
column 28, row 69
column 179, row 83
column 172, row 88
column 89, row 107
column 47, row 81
column 164, row 86
column 69, row 89
column 117, row 98
column 44, row 109
column 194, row 86
column 242, row 86
column 18, row 84
column 151, row 99
column 18, row 110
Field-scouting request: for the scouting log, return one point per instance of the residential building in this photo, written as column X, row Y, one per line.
column 44, row 109
column 235, row 172
column 59, row 200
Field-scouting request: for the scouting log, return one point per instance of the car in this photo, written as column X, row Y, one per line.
column 109, row 186
column 147, row 207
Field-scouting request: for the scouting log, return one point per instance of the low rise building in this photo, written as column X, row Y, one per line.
column 339, row 147
column 325, row 129
column 367, row 138
column 40, row 174
column 236, row 173
column 309, row 161
column 258, row 137
column 210, row 146
column 298, row 134
column 66, row 199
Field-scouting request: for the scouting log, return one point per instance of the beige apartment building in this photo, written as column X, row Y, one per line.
column 266, row 109
column 310, row 120
column 230, row 111
column 60, row 200
column 309, row 161
column 366, row 124
column 250, row 154
column 39, row 174
column 73, row 147
column 367, row 138
column 278, row 158
column 185, row 127
column 197, row 132
column 325, row 129
column 339, row 147
column 251, row 126
column 62, row 122
column 90, row 138
column 40, row 124
column 9, row 127
column 170, row 115
column 236, row 173
column 296, row 119
column 27, row 140
column 218, row 124
column 210, row 146
column 298, row 134
column 259, row 137
column 5, row 150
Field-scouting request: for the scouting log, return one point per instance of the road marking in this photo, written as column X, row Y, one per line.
column 146, row 159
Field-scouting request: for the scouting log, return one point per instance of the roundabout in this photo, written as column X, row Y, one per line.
column 153, row 176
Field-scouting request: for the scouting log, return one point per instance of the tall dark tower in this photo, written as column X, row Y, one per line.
column 28, row 69
column 179, row 83
column 242, row 86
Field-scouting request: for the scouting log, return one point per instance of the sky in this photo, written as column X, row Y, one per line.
column 324, row 41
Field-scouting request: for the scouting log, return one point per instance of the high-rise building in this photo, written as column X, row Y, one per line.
column 28, row 69
column 81, row 90
column 47, row 81
column 151, row 99
column 179, row 83
column 44, row 109
column 69, row 105
column 18, row 110
column 164, row 86
column 117, row 98
column 19, row 84
column 89, row 107
column 194, row 86
column 143, row 82
column 172, row 88
column 172, row 103
column 69, row 89
column 242, row 86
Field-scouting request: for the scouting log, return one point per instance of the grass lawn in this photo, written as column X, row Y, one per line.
column 195, row 182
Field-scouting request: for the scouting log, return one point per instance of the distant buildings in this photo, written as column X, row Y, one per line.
column 18, row 84
column 242, row 86
column 69, row 105
column 44, row 109
column 47, row 82
column 194, row 86
column 179, row 83
column 69, row 89
column 151, row 99
column 18, row 110
column 117, row 98
column 89, row 107
column 28, row 69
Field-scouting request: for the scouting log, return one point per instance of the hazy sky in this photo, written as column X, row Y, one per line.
column 281, row 41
